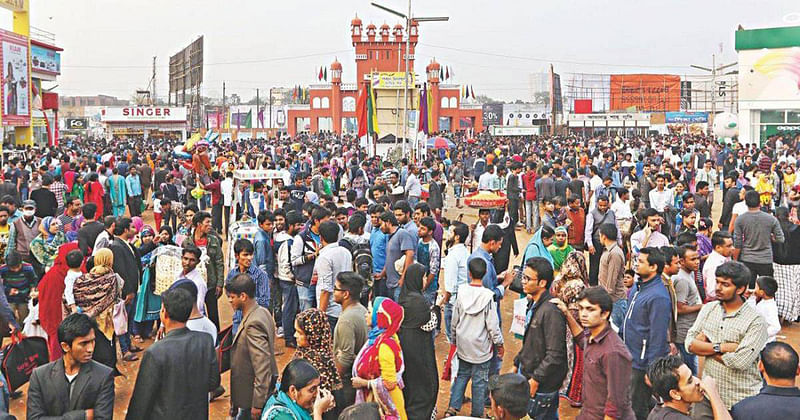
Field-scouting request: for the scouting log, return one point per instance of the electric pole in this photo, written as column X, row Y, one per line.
column 224, row 111
column 258, row 107
column 714, row 70
column 153, row 94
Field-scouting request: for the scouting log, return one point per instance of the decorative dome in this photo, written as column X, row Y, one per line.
column 433, row 66
column 336, row 65
column 355, row 22
column 370, row 26
column 384, row 27
column 398, row 26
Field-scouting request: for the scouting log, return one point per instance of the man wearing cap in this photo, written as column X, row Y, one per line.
column 21, row 234
column 509, row 396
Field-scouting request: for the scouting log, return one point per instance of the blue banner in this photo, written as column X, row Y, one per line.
column 686, row 117
column 45, row 60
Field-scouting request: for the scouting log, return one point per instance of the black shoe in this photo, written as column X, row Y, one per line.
column 217, row 393
column 16, row 394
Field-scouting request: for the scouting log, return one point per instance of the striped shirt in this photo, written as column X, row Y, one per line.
column 22, row 280
column 738, row 377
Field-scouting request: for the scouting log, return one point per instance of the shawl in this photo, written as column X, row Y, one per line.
column 416, row 310
column 387, row 316
column 559, row 253
column 45, row 249
column 280, row 405
column 103, row 262
column 96, row 295
column 536, row 248
column 319, row 352
column 572, row 279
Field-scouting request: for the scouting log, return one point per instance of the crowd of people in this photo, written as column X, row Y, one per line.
column 625, row 296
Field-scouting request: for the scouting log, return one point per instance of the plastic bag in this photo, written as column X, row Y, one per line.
column 31, row 326
column 518, row 321
column 120, row 318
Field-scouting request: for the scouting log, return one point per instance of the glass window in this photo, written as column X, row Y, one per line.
column 773, row 117
column 793, row 117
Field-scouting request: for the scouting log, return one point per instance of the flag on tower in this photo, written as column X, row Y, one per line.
column 447, row 73
column 325, row 76
column 319, row 77
column 472, row 91
column 367, row 112
column 441, row 74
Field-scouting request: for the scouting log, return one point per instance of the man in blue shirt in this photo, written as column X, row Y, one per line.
column 780, row 397
column 134, row 188
column 244, row 250
column 377, row 244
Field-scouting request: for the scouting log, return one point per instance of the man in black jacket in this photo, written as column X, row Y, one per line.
column 513, row 191
column 543, row 357
column 729, row 200
column 127, row 263
column 178, row 371
column 91, row 228
column 74, row 386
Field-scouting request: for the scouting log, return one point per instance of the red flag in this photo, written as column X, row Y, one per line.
column 447, row 73
column 361, row 111
column 320, row 74
column 472, row 91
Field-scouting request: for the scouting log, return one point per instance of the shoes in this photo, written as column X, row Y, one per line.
column 130, row 357
column 217, row 393
column 279, row 333
column 135, row 349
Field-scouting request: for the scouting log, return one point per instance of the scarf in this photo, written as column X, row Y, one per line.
column 536, row 248
column 319, row 352
column 387, row 316
column 46, row 223
column 416, row 310
column 280, row 404
column 103, row 261
column 51, row 292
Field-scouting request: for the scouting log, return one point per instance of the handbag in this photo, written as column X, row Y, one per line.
column 31, row 326
column 224, row 344
column 516, row 282
column 21, row 357
column 120, row 318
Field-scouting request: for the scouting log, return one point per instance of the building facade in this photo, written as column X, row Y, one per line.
column 380, row 60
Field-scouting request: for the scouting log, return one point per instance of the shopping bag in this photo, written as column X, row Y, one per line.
column 21, row 357
column 224, row 344
column 31, row 326
column 518, row 321
column 120, row 318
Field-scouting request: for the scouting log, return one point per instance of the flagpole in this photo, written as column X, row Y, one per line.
column 405, row 89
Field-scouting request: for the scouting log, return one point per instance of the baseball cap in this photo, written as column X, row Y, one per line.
column 29, row 204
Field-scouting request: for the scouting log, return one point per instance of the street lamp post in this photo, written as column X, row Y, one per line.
column 408, row 17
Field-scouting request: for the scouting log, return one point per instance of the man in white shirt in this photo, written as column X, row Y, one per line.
column 455, row 273
column 226, row 188
column 413, row 186
column 622, row 210
column 739, row 208
column 476, row 236
column 661, row 196
column 650, row 236
column 722, row 241
column 487, row 180
column 190, row 258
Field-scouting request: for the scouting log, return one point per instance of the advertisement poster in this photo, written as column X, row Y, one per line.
column 15, row 89
column 45, row 60
column 492, row 114
column 645, row 92
column 391, row 80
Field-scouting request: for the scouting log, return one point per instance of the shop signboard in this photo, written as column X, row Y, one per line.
column 76, row 123
column 645, row 92
column 16, row 79
column 514, row 131
column 686, row 117
column 391, row 80
column 492, row 114
column 769, row 75
column 143, row 113
column 525, row 114
column 45, row 60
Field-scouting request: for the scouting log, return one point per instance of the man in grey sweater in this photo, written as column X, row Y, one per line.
column 753, row 234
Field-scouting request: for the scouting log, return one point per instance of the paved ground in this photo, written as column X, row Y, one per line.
column 219, row 408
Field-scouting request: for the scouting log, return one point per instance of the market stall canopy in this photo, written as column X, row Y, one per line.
column 486, row 200
column 440, row 143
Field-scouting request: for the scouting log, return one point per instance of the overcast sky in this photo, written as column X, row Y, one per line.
column 492, row 45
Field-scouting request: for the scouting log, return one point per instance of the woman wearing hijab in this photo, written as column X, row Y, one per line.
column 315, row 344
column 51, row 296
column 165, row 235
column 96, row 293
column 786, row 264
column 573, row 278
column 299, row 395
column 45, row 245
column 422, row 382
column 379, row 366
column 537, row 246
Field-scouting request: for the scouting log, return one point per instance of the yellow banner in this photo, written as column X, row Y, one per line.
column 391, row 80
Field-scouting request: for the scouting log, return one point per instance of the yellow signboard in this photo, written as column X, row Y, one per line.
column 15, row 5
column 391, row 80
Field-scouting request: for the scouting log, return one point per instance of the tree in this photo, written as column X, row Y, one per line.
column 483, row 99
column 236, row 99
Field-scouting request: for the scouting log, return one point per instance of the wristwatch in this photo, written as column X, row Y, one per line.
column 717, row 348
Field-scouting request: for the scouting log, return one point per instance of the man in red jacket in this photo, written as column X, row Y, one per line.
column 531, row 207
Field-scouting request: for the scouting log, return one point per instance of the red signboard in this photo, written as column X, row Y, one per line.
column 50, row 100
column 645, row 92
column 15, row 90
column 583, row 106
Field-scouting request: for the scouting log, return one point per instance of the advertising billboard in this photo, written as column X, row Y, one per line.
column 391, row 80
column 645, row 92
column 186, row 67
column 76, row 123
column 16, row 79
column 45, row 60
column 685, row 117
column 143, row 114
column 492, row 114
column 524, row 114
column 769, row 74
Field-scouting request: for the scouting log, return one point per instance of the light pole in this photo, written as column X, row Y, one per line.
column 714, row 70
column 408, row 17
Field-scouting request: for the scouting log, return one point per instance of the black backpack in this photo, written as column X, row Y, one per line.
column 362, row 264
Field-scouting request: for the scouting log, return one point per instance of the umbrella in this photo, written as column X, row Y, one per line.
column 471, row 141
column 440, row 143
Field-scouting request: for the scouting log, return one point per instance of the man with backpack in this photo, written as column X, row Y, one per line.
column 285, row 277
column 305, row 249
column 359, row 247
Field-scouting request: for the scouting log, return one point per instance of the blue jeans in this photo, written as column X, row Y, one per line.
column 124, row 343
column 479, row 373
column 457, row 190
column 618, row 312
column 544, row 406
column 394, row 293
column 412, row 201
column 688, row 358
column 307, row 296
column 531, row 215
column 448, row 318
column 289, row 310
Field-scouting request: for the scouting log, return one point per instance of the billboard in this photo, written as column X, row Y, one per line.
column 143, row 114
column 186, row 67
column 391, row 80
column 16, row 79
column 45, row 60
column 593, row 87
column 492, row 114
column 524, row 114
column 769, row 75
column 76, row 123
column 645, row 92
column 685, row 117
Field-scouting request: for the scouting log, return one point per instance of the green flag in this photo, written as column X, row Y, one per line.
column 248, row 123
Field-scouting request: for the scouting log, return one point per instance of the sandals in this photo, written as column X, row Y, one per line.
column 450, row 412
column 130, row 357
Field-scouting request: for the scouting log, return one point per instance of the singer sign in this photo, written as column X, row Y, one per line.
column 143, row 114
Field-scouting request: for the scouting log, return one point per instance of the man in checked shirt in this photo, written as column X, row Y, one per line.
column 730, row 334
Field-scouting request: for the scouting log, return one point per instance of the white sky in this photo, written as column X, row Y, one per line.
column 109, row 44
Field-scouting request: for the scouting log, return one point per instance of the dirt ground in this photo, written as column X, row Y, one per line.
column 219, row 408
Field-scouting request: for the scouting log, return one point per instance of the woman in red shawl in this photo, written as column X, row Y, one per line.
column 378, row 368
column 93, row 193
column 51, row 293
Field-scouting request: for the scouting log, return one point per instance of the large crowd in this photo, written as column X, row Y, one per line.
column 629, row 300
